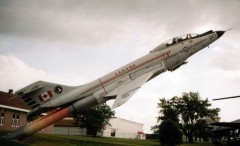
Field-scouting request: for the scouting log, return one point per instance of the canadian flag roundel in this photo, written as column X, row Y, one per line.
column 45, row 96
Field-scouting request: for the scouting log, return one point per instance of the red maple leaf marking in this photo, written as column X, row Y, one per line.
column 45, row 96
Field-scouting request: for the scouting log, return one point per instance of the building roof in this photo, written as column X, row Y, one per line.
column 69, row 122
column 16, row 103
column 127, row 121
column 233, row 124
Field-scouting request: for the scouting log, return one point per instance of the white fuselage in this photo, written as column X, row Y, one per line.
column 157, row 61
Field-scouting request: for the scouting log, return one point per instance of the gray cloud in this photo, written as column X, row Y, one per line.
column 105, row 21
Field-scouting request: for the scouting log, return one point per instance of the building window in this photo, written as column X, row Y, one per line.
column 113, row 132
column 15, row 121
column 2, row 120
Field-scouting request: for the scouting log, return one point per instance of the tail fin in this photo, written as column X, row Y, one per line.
column 40, row 92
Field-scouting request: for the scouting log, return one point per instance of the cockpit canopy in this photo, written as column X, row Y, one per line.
column 179, row 39
column 173, row 41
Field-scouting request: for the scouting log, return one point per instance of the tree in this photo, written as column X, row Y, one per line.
column 95, row 119
column 193, row 112
column 167, row 112
column 169, row 133
column 190, row 112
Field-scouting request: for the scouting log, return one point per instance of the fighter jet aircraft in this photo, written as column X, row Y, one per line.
column 60, row 100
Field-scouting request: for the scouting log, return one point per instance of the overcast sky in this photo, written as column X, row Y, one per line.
column 75, row 42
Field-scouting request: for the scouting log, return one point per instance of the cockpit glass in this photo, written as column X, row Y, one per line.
column 175, row 40
column 178, row 39
column 194, row 35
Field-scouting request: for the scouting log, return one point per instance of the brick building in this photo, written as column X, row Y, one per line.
column 13, row 113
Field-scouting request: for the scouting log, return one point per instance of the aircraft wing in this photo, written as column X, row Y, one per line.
column 226, row 124
column 226, row 98
column 125, row 91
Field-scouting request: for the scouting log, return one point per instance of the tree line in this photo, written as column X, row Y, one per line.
column 185, row 115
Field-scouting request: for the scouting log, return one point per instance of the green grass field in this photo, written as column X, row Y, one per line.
column 64, row 140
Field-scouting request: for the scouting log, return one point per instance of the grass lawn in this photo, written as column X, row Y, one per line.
column 64, row 140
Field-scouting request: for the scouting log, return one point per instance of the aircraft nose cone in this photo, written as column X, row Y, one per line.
column 220, row 33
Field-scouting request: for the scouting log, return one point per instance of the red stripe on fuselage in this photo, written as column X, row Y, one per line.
column 167, row 53
column 102, row 85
